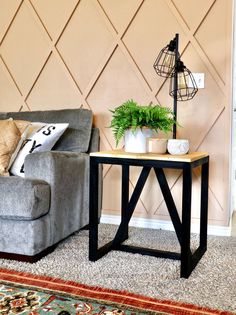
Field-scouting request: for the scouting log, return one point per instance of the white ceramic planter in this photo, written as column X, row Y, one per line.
column 136, row 141
column 178, row 146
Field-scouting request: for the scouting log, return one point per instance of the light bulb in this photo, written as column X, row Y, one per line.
column 168, row 62
column 182, row 84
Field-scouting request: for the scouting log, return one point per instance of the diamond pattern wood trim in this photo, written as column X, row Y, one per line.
column 128, row 50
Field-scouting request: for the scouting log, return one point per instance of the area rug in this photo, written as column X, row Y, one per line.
column 27, row 294
column 211, row 284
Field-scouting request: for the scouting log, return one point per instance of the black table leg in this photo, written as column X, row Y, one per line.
column 93, row 211
column 204, row 205
column 124, row 200
column 186, row 255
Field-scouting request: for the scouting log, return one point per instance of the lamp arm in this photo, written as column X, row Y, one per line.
column 175, row 83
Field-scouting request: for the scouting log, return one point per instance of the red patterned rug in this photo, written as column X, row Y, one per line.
column 27, row 294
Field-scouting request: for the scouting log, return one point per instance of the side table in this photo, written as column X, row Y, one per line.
column 182, row 226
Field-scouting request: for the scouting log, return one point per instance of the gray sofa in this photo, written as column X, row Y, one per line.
column 52, row 201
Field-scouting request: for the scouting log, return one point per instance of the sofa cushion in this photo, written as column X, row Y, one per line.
column 23, row 199
column 73, row 140
column 77, row 136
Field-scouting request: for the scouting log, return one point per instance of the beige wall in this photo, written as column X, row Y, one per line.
column 98, row 53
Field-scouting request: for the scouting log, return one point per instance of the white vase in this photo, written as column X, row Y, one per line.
column 136, row 141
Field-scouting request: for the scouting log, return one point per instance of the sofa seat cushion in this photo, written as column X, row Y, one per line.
column 23, row 199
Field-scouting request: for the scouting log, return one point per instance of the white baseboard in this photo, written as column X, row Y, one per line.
column 165, row 225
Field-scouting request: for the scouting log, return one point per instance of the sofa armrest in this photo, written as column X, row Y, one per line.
column 68, row 176
column 54, row 165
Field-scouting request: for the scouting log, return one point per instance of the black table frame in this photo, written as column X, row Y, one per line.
column 182, row 228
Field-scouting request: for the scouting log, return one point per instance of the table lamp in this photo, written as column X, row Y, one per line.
column 182, row 84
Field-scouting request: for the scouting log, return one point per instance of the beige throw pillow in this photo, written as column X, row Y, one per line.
column 10, row 136
column 23, row 126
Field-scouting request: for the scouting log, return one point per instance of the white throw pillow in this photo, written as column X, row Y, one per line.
column 40, row 137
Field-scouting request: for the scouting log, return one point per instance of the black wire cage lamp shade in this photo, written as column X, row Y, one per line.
column 186, row 87
column 165, row 61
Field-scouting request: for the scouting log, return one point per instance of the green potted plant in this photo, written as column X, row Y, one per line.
column 133, row 120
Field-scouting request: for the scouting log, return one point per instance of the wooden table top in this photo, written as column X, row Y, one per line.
column 190, row 157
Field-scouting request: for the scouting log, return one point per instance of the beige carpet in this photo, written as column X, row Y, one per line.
column 212, row 283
